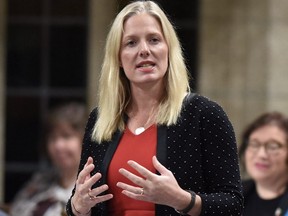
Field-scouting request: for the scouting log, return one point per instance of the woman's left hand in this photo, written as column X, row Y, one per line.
column 161, row 189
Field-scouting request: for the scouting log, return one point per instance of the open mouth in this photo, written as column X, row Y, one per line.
column 145, row 65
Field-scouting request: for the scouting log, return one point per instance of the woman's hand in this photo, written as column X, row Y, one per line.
column 84, row 197
column 161, row 189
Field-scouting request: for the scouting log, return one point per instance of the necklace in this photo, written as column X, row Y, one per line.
column 141, row 129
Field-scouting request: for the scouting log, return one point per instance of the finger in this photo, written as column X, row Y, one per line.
column 89, row 161
column 159, row 167
column 141, row 170
column 130, row 188
column 98, row 190
column 92, row 180
column 84, row 173
column 102, row 198
column 132, row 177
column 133, row 195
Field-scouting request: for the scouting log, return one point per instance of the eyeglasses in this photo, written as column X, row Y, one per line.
column 271, row 147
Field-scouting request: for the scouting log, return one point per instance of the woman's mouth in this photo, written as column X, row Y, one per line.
column 146, row 67
column 261, row 166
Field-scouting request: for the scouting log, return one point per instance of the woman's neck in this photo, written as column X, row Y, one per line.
column 143, row 101
column 67, row 178
column 146, row 97
column 268, row 190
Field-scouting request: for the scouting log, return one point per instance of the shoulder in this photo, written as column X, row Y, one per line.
column 203, row 105
column 39, row 182
column 91, row 119
column 93, row 114
column 208, row 116
column 200, row 100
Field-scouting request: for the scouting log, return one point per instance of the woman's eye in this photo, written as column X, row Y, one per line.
column 154, row 40
column 273, row 146
column 130, row 43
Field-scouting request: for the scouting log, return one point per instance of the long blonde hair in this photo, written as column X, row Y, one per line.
column 114, row 88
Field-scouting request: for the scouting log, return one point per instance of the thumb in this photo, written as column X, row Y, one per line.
column 159, row 167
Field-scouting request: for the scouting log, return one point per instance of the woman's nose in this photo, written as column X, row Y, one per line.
column 144, row 50
column 262, row 152
column 59, row 142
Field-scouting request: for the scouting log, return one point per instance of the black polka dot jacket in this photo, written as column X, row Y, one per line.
column 200, row 150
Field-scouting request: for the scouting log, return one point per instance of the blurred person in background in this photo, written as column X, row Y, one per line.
column 264, row 153
column 47, row 192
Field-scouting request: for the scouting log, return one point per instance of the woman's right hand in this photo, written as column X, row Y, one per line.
column 84, row 197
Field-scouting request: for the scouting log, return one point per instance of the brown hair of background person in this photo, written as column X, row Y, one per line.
column 70, row 113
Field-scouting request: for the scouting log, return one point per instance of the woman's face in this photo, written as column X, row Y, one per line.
column 64, row 147
column 269, row 163
column 144, row 51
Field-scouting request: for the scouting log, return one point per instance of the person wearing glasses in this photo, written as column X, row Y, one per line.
column 264, row 153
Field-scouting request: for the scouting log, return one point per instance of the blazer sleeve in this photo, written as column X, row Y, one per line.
column 223, row 193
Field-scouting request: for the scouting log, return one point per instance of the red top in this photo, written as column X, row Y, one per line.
column 140, row 148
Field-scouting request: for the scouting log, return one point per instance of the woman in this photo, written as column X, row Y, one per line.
column 48, row 191
column 152, row 142
column 265, row 156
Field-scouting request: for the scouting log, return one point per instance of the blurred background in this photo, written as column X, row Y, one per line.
column 51, row 52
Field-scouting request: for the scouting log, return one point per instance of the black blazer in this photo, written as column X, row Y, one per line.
column 200, row 150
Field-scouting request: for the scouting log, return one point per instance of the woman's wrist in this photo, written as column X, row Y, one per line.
column 77, row 212
column 190, row 205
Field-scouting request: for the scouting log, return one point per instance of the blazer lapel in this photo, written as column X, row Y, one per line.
column 161, row 151
column 109, row 153
column 112, row 146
